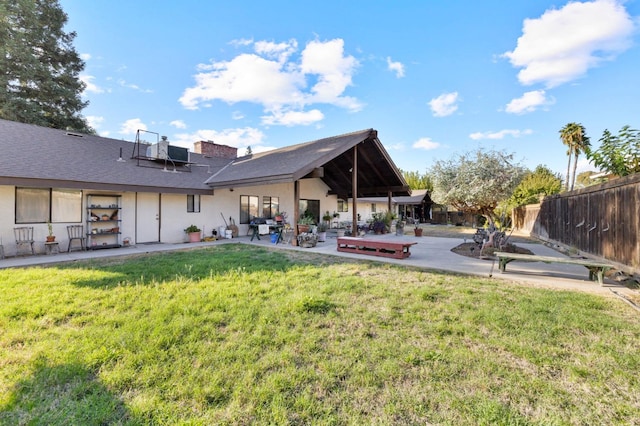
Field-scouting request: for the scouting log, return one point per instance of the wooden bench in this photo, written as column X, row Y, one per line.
column 394, row 249
column 596, row 269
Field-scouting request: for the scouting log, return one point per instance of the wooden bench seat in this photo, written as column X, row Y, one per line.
column 596, row 269
column 393, row 249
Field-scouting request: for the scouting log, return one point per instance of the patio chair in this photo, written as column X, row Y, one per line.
column 76, row 232
column 24, row 237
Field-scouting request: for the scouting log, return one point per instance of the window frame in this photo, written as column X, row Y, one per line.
column 343, row 206
column 194, row 203
column 246, row 216
column 54, row 209
column 270, row 206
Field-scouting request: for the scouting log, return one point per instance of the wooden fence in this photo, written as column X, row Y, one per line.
column 601, row 220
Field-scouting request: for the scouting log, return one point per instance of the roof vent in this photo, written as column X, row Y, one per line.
column 77, row 135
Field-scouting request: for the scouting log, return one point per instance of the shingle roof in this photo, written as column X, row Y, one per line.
column 43, row 156
column 377, row 173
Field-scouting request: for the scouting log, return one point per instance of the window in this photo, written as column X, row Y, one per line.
column 311, row 208
column 270, row 206
column 66, row 205
column 193, row 203
column 39, row 205
column 343, row 206
column 248, row 208
column 373, row 207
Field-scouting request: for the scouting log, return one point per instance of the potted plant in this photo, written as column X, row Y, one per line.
column 304, row 224
column 321, row 230
column 280, row 217
column 417, row 229
column 50, row 238
column 194, row 233
column 327, row 216
column 379, row 226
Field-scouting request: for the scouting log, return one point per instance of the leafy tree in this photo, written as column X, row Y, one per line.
column 574, row 136
column 619, row 155
column 542, row 181
column 39, row 67
column 589, row 178
column 416, row 180
column 476, row 182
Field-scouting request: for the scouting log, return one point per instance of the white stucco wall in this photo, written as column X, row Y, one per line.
column 40, row 230
column 174, row 217
column 228, row 202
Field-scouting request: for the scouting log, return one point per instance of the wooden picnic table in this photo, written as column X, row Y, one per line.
column 373, row 247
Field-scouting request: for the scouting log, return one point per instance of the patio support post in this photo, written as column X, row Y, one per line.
column 354, row 190
column 296, row 211
column 389, row 195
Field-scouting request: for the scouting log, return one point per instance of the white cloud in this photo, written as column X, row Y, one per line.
column 94, row 121
column 239, row 138
column 85, row 56
column 292, row 118
column 131, row 126
column 529, row 102
column 500, row 134
column 241, row 42
column 91, row 87
column 237, row 115
column 396, row 67
column 426, row 144
column 333, row 72
column 283, row 86
column 444, row 104
column 563, row 44
column 178, row 124
column 123, row 83
column 279, row 51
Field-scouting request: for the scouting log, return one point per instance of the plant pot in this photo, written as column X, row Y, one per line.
column 418, row 232
column 340, row 232
column 303, row 228
column 51, row 238
column 322, row 237
column 194, row 237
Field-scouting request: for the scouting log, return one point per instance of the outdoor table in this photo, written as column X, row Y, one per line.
column 277, row 229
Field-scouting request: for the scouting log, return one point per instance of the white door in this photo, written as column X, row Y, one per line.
column 147, row 218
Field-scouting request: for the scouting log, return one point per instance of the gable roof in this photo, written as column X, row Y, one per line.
column 45, row 157
column 377, row 174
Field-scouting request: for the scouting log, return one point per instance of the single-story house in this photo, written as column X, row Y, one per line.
column 150, row 192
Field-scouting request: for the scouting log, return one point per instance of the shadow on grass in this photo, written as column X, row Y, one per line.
column 65, row 394
column 197, row 264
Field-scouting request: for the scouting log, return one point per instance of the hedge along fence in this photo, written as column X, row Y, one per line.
column 601, row 220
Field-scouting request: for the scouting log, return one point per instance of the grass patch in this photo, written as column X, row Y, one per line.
column 238, row 334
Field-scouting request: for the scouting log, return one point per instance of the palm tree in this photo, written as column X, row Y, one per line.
column 574, row 136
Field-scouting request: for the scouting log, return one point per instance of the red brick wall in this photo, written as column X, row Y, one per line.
column 211, row 149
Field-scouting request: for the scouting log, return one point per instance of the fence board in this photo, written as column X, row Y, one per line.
column 602, row 220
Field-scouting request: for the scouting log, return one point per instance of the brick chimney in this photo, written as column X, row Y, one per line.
column 211, row 149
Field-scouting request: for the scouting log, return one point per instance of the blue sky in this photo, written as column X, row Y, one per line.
column 435, row 78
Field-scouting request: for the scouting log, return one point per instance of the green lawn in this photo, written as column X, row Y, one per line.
column 237, row 334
